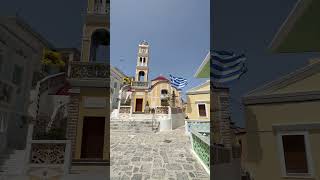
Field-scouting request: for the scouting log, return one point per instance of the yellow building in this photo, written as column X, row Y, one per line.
column 282, row 118
column 198, row 98
column 89, row 111
column 283, row 127
column 158, row 92
column 198, row 102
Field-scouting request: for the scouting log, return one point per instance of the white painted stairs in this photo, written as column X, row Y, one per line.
column 12, row 164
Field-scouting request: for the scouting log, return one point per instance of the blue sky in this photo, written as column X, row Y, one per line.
column 177, row 30
column 249, row 27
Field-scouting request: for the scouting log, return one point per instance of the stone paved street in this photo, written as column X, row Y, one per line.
column 162, row 155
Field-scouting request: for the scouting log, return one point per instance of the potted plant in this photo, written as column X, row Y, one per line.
column 52, row 62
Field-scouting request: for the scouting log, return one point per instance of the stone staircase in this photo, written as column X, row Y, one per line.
column 12, row 164
column 82, row 169
column 135, row 125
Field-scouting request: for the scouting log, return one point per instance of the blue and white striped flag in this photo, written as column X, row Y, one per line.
column 226, row 66
column 178, row 82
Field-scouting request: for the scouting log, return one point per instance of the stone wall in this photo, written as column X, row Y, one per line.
column 73, row 115
column 221, row 116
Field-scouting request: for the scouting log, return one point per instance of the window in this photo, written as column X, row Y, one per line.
column 115, row 85
column 17, row 75
column 295, row 154
column 164, row 91
column 202, row 110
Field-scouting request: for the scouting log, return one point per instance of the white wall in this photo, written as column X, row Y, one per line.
column 177, row 120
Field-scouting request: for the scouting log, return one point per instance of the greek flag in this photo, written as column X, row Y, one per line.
column 178, row 82
column 226, row 66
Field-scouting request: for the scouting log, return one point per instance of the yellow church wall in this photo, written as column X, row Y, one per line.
column 154, row 95
column 92, row 112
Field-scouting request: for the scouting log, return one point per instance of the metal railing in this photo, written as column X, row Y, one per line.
column 140, row 84
column 88, row 70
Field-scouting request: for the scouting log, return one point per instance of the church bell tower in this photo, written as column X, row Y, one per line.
column 142, row 69
column 96, row 36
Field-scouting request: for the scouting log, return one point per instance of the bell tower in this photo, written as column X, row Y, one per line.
column 96, row 36
column 142, row 69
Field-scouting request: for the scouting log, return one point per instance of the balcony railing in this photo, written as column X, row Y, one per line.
column 102, row 8
column 47, row 153
column 140, row 84
column 88, row 70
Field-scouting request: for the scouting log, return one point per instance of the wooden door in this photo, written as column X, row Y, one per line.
column 93, row 138
column 139, row 105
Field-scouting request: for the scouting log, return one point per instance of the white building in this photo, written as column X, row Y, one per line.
column 116, row 80
column 20, row 54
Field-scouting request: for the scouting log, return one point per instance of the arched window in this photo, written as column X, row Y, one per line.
column 100, row 6
column 164, row 92
column 164, row 97
column 141, row 76
column 100, row 45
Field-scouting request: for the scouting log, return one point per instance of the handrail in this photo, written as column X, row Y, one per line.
column 36, row 93
column 54, row 115
column 50, row 76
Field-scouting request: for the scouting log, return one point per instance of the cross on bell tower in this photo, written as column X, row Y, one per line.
column 96, row 32
column 142, row 68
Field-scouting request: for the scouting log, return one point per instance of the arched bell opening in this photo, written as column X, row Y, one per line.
column 100, row 46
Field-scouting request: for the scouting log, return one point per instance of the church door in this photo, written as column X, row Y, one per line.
column 139, row 105
column 93, row 138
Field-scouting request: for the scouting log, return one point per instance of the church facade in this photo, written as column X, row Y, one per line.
column 146, row 94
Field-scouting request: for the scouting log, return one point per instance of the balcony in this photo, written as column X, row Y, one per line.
column 99, row 13
column 140, row 85
column 89, row 74
column 102, row 8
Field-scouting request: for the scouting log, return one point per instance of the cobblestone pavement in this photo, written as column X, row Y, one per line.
column 162, row 155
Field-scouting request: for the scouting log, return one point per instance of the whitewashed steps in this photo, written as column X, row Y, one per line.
column 12, row 164
column 141, row 125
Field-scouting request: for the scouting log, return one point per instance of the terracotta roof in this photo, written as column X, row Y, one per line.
column 160, row 78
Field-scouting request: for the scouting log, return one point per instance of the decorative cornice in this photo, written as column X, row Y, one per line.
column 198, row 92
column 286, row 80
column 296, row 126
column 282, row 98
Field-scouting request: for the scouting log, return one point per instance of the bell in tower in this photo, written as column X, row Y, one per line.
column 142, row 68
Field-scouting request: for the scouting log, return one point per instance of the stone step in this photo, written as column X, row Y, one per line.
column 12, row 162
column 13, row 177
column 90, row 163
column 92, row 169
